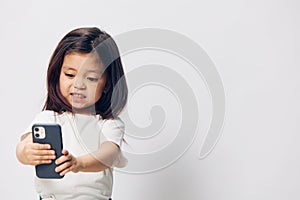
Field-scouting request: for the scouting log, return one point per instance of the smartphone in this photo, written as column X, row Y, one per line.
column 48, row 134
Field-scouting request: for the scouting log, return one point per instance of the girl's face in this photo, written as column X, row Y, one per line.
column 82, row 81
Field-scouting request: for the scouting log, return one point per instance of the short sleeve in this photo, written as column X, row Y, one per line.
column 113, row 130
column 42, row 117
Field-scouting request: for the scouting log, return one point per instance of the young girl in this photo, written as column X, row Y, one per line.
column 86, row 92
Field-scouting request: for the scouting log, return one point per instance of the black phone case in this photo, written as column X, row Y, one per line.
column 54, row 138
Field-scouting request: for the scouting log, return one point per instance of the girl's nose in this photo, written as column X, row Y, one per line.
column 79, row 84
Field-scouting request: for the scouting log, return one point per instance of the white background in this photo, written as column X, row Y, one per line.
column 255, row 46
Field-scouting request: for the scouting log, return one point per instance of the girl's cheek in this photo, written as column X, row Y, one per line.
column 66, row 84
column 69, row 83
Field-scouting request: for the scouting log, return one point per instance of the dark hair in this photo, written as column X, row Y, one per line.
column 88, row 40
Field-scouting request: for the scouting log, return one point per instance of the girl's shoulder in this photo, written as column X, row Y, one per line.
column 117, row 120
column 109, row 124
column 46, row 116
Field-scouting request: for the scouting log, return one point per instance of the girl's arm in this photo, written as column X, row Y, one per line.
column 93, row 162
column 30, row 153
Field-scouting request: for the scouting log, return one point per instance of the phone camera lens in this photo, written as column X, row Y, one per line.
column 37, row 135
column 36, row 129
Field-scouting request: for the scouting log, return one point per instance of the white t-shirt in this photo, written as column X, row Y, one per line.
column 82, row 134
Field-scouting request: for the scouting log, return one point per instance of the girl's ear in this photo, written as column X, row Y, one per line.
column 107, row 87
column 105, row 90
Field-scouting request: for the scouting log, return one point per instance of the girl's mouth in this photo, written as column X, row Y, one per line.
column 77, row 97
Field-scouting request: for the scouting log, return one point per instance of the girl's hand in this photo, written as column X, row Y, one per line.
column 30, row 153
column 67, row 163
column 36, row 154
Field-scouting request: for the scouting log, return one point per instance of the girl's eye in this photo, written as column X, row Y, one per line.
column 69, row 75
column 92, row 79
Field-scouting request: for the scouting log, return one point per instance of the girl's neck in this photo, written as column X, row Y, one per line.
column 88, row 112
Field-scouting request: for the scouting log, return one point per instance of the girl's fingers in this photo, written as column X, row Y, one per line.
column 38, row 146
column 64, row 163
column 47, row 157
column 39, row 149
column 64, row 172
column 65, row 152
column 63, row 158
column 63, row 167
column 43, row 152
column 39, row 162
column 37, row 154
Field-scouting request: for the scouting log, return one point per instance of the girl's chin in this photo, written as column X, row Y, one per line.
column 83, row 109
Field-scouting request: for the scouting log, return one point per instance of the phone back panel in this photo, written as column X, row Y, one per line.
column 53, row 137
